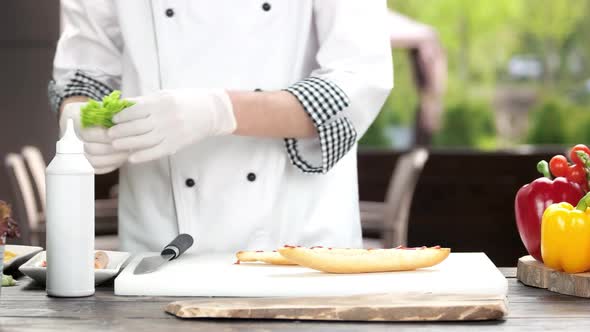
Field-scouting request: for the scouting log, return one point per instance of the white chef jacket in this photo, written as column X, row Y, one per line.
column 233, row 193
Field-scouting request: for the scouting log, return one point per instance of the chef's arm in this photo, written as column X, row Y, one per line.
column 346, row 91
column 68, row 100
column 87, row 60
column 275, row 114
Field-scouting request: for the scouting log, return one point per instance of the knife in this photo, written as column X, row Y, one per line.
column 173, row 250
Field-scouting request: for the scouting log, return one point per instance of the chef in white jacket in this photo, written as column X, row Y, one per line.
column 247, row 114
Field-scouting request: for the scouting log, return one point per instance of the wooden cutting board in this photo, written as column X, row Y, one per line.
column 533, row 273
column 465, row 286
column 354, row 308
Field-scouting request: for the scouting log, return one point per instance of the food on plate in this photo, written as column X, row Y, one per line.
column 565, row 236
column 8, row 227
column 101, row 260
column 9, row 255
column 7, row 280
column 569, row 185
column 334, row 260
column 100, row 113
column 268, row 257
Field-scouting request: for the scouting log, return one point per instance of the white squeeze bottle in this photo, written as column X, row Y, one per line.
column 70, row 219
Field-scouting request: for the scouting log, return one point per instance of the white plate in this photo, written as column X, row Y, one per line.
column 23, row 253
column 33, row 267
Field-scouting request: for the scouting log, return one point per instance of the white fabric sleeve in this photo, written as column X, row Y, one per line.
column 354, row 77
column 88, row 55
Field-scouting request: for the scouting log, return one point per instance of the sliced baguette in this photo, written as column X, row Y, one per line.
column 268, row 257
column 364, row 260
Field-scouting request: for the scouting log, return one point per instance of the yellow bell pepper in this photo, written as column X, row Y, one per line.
column 565, row 236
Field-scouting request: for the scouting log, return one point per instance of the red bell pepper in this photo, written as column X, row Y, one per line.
column 532, row 200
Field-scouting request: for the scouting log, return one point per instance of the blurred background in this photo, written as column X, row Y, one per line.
column 483, row 90
column 518, row 73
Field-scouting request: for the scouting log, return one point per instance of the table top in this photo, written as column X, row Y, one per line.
column 26, row 307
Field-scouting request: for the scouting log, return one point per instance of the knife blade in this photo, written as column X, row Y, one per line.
column 170, row 252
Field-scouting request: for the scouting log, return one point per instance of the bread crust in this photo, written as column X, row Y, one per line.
column 268, row 257
column 365, row 260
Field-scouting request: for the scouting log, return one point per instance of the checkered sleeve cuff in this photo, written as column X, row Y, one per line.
column 81, row 84
column 323, row 100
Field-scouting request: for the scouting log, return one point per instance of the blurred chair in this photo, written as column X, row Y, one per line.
column 36, row 165
column 390, row 218
column 31, row 200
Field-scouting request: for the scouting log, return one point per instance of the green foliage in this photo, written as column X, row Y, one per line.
column 580, row 131
column 557, row 121
column 479, row 38
column 96, row 113
column 550, row 26
column 549, row 123
column 550, row 20
column 467, row 123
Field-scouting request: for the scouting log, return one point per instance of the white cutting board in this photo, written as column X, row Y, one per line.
column 462, row 276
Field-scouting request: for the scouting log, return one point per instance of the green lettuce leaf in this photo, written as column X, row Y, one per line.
column 7, row 281
column 96, row 113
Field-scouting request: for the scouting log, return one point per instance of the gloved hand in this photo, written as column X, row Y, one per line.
column 98, row 146
column 161, row 124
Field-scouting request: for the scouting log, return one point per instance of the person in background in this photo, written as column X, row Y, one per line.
column 430, row 70
column 246, row 118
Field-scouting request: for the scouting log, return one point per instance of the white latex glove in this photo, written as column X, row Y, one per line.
column 161, row 124
column 98, row 146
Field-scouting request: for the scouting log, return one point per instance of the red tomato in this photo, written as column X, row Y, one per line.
column 574, row 157
column 558, row 166
column 577, row 174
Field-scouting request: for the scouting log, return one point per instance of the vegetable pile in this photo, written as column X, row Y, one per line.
column 551, row 229
column 100, row 113
column 577, row 171
column 8, row 227
column 532, row 200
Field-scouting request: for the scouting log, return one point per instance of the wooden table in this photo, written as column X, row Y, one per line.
column 26, row 308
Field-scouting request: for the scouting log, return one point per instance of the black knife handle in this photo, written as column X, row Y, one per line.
column 178, row 246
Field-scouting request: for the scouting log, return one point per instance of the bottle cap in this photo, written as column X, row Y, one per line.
column 70, row 143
